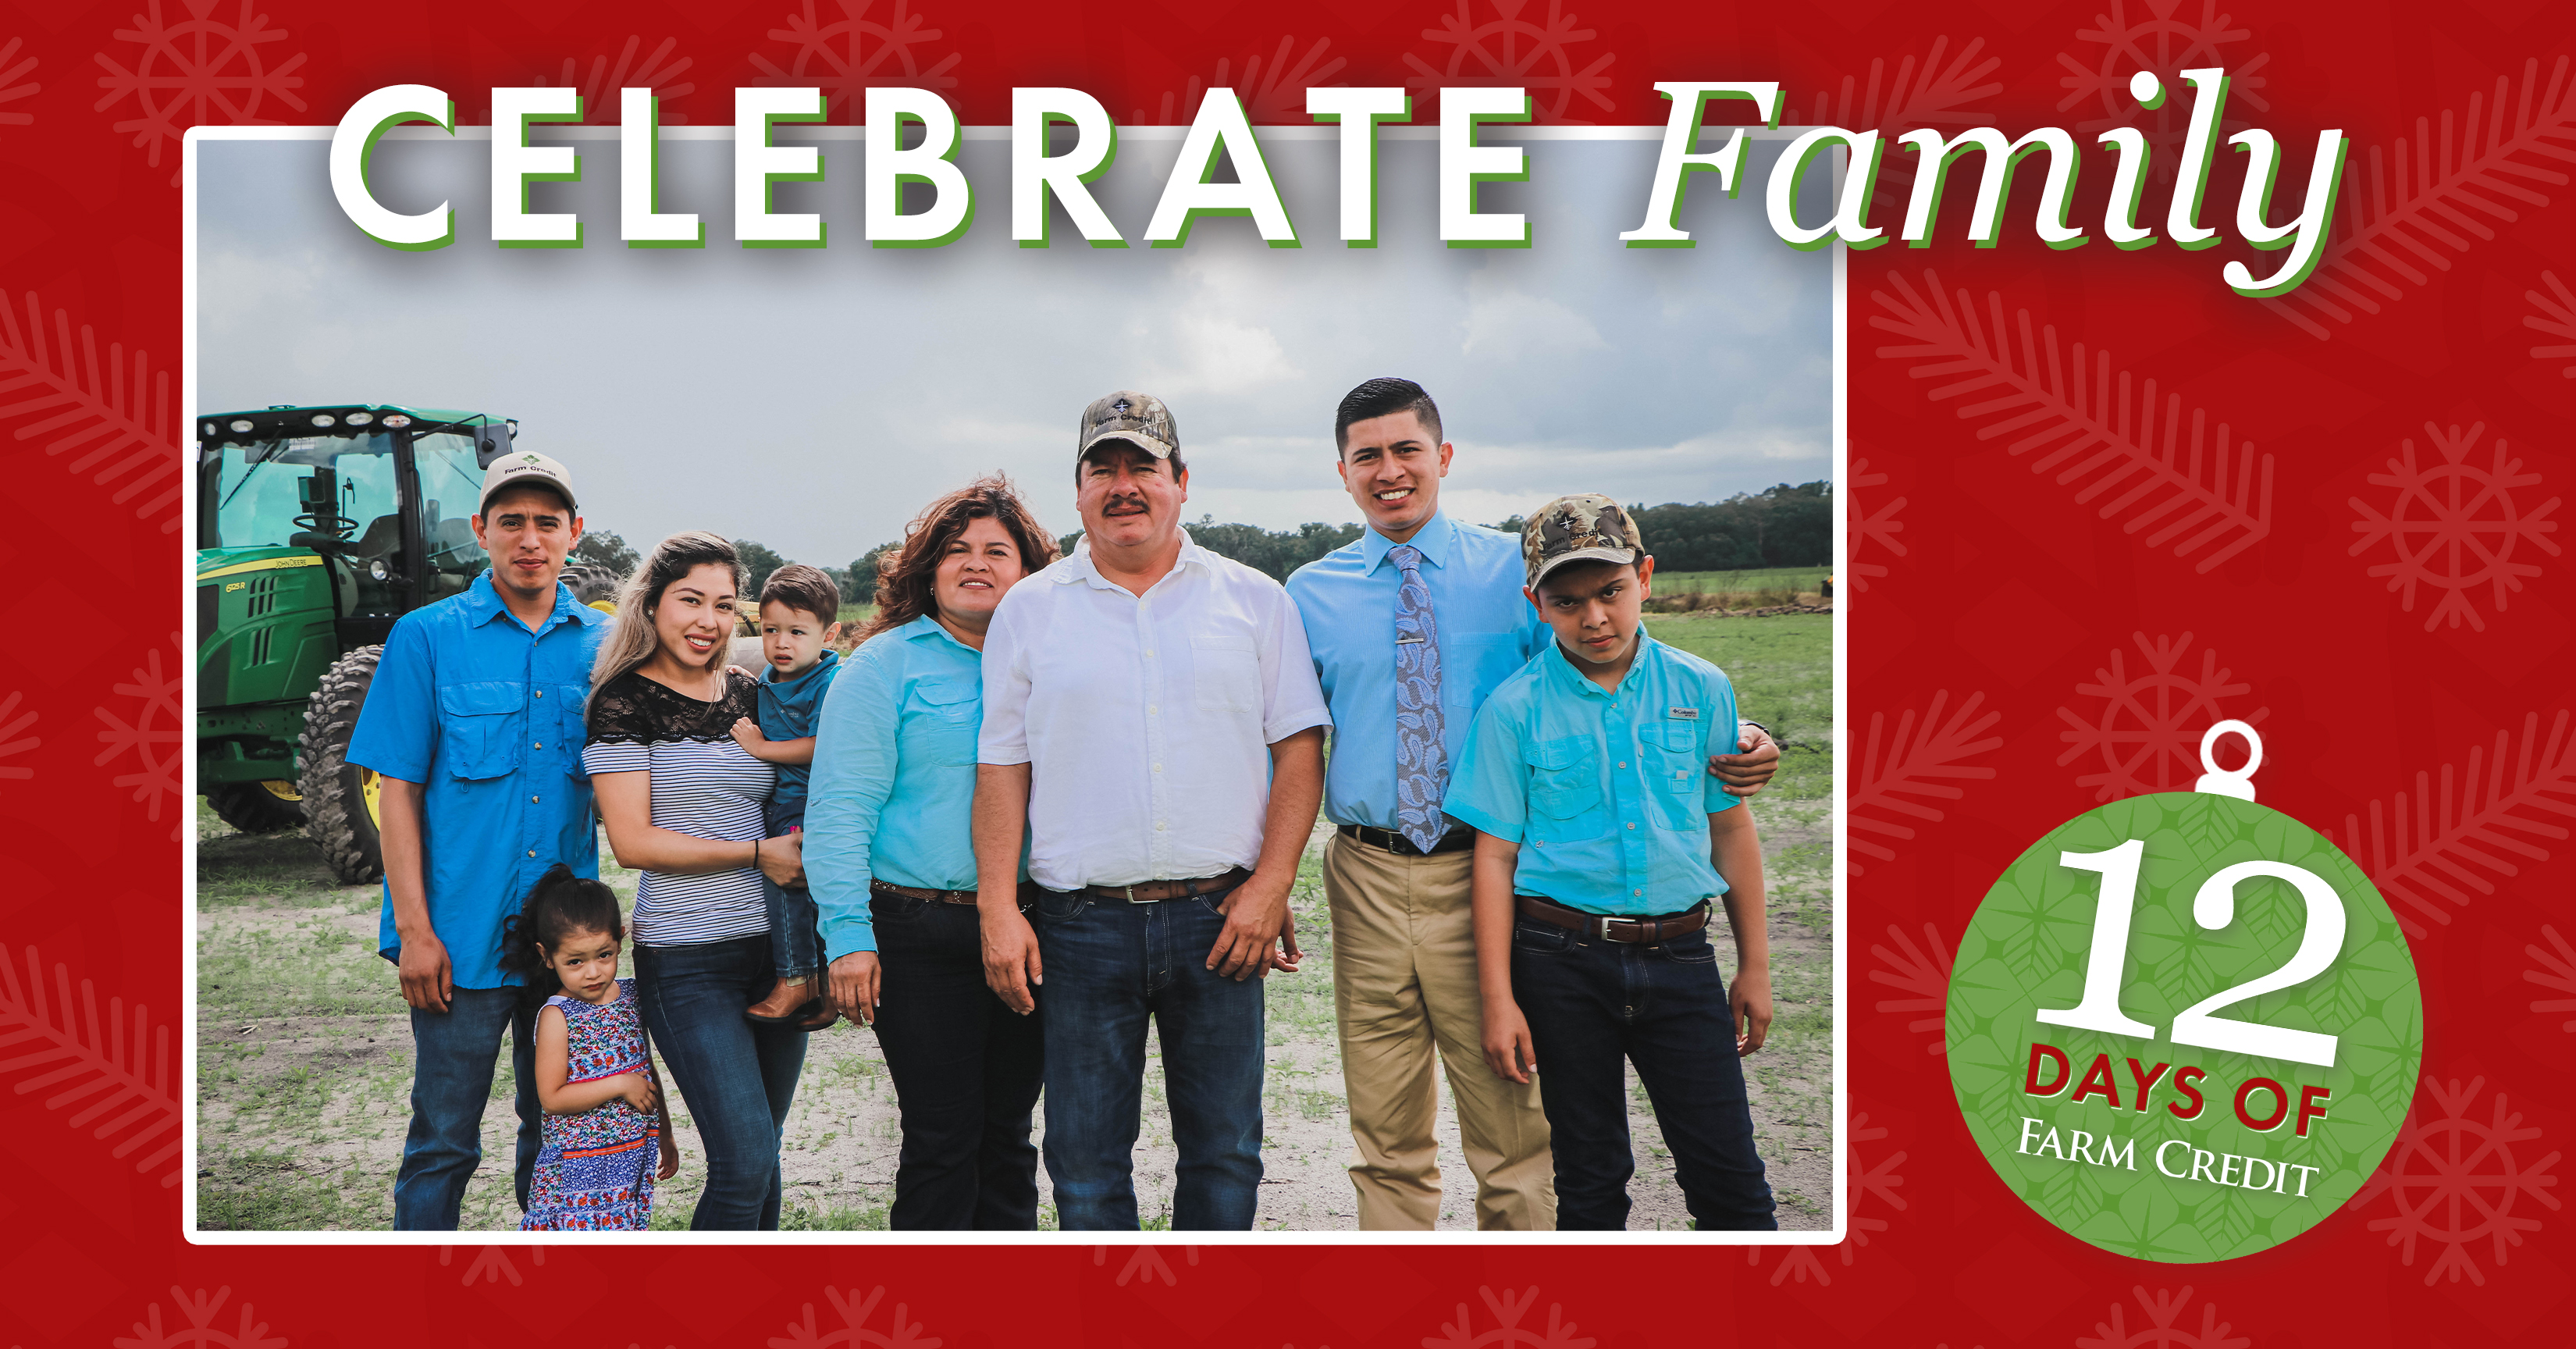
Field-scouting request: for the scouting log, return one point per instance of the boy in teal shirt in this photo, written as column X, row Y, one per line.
column 1603, row 843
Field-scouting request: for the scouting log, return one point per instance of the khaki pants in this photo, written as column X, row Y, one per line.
column 1404, row 979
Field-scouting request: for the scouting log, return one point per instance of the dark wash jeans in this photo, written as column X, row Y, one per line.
column 734, row 1079
column 1110, row 965
column 1591, row 1003
column 966, row 1074
column 795, row 939
column 453, row 1053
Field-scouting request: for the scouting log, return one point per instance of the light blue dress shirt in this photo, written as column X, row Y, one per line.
column 893, row 791
column 1607, row 793
column 487, row 717
column 1488, row 629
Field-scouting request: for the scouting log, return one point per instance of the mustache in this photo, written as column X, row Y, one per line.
column 1135, row 499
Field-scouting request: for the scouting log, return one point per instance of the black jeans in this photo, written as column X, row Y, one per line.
column 966, row 1074
column 735, row 1080
column 1591, row 1003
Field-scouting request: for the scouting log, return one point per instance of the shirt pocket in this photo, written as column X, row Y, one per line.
column 1675, row 767
column 940, row 720
column 559, row 706
column 1227, row 673
column 480, row 726
column 1565, row 789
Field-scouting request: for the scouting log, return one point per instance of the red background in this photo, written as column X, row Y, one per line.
column 2016, row 655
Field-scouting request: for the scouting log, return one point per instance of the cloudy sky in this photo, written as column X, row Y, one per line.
column 814, row 399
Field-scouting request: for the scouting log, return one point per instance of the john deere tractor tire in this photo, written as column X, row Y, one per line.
column 256, row 807
column 339, row 796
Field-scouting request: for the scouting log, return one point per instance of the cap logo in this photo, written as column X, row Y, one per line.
column 529, row 458
column 1122, row 405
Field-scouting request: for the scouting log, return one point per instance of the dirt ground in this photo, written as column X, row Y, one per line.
column 304, row 1069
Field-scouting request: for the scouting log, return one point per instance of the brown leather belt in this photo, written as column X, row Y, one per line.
column 1459, row 839
column 1604, row 927
column 1154, row 892
column 1028, row 890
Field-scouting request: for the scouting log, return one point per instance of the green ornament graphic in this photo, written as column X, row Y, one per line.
column 2127, row 939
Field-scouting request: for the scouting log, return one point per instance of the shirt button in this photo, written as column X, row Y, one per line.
column 541, row 693
column 1153, row 709
column 532, row 800
column 1158, row 825
column 1632, row 824
column 532, row 852
column 541, row 744
column 1149, row 651
column 1623, row 763
column 1637, row 892
column 1158, row 768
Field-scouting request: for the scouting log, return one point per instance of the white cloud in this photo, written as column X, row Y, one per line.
column 1503, row 323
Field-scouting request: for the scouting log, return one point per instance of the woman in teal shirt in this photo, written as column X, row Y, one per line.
column 890, row 855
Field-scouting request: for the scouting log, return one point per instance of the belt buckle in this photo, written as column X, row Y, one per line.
column 1601, row 927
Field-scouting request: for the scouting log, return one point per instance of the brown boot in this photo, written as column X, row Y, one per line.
column 783, row 1002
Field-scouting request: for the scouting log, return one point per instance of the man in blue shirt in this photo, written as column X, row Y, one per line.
column 1600, row 844
column 474, row 720
column 1412, row 625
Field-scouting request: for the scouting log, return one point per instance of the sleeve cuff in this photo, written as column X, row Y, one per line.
column 1279, row 731
column 1479, row 821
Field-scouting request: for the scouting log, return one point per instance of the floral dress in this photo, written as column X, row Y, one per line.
column 596, row 1172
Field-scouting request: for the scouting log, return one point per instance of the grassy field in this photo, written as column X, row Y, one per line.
column 304, row 1046
column 1770, row 578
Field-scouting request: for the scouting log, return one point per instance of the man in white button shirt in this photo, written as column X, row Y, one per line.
column 1153, row 722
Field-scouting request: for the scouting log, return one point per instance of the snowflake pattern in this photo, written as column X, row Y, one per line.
column 201, row 1332
column 1894, row 770
column 2455, row 1181
column 600, row 88
column 1508, row 1308
column 1510, row 51
column 1881, row 1181
column 97, row 412
column 855, row 53
column 853, row 1331
column 2425, row 853
column 1145, row 1264
column 116, row 1069
column 2075, row 417
column 13, row 723
column 2163, row 1329
column 2557, row 970
column 198, row 71
column 2557, row 317
column 491, row 1264
column 1922, row 972
column 2148, row 729
column 2159, row 41
column 10, row 89
column 1272, row 92
column 2455, row 526
column 156, row 736
column 1867, row 529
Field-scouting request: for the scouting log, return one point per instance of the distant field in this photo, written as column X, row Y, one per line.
column 1770, row 578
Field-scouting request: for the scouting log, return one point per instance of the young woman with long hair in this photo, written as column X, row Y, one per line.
column 682, row 802
column 888, row 826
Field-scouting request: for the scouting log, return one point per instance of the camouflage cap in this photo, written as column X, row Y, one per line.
column 1140, row 419
column 1586, row 527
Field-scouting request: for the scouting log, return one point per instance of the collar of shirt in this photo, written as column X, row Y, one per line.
column 928, row 628
column 1079, row 566
column 1435, row 541
column 482, row 604
column 803, row 695
column 1560, row 667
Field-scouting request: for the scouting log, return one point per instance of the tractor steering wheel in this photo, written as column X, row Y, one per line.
column 338, row 526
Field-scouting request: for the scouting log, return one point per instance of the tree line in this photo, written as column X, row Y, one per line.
column 1781, row 526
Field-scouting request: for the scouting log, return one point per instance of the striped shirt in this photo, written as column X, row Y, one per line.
column 704, row 785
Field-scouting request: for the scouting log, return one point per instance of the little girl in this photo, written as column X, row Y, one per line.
column 604, row 1121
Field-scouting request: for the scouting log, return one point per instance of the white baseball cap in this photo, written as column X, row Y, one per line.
column 520, row 466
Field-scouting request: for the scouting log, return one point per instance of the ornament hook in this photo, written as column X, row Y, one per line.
column 2217, row 781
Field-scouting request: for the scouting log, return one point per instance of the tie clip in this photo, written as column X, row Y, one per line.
column 1402, row 640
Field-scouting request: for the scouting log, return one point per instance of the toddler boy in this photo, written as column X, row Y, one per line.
column 1603, row 841
column 799, row 613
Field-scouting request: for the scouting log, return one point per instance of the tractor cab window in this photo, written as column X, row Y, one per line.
column 451, row 485
column 334, row 494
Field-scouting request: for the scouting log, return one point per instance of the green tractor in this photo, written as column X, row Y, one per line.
column 317, row 527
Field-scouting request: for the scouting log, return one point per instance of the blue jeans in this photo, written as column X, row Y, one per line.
column 735, row 1078
column 451, row 1081
column 1590, row 1003
column 1109, row 965
column 966, row 1072
column 795, row 939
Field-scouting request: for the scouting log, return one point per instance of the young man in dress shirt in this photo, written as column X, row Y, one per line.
column 1151, row 719
column 1411, row 626
column 474, row 722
